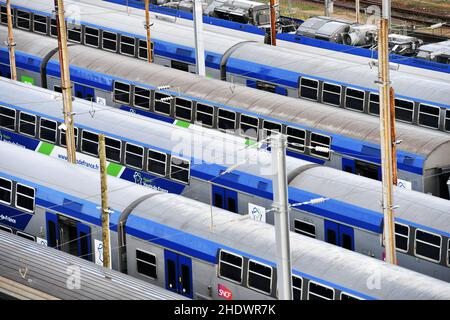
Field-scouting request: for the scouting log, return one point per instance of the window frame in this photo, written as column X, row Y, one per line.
column 312, row 152
column 24, row 195
column 35, row 123
column 369, row 102
column 176, row 106
column 109, row 146
column 438, row 116
column 165, row 162
column 304, row 233
column 447, row 120
column 169, row 103
column 317, row 88
column 322, row 285
column 146, row 262
column 91, row 35
column 265, row 130
column 25, row 235
column 126, row 152
column 401, row 235
column 204, row 113
column 76, row 31
column 61, row 132
column 82, row 142
column 56, row 130
column 10, row 191
column 295, row 149
column 15, row 118
column 18, row 17
column 127, row 44
column 413, row 110
column 6, row 229
column 122, row 91
column 430, row 244
column 226, row 119
column 363, row 99
column 142, row 45
column 53, row 26
column 228, row 263
column 142, row 97
column 261, row 275
column 349, row 295
column 188, row 170
column 41, row 23
column 241, row 131
column 330, row 92
column 301, row 289
column 448, row 253
column 109, row 40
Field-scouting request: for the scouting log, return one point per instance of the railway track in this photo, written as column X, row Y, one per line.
column 397, row 12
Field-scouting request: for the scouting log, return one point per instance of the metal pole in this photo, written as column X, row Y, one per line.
column 393, row 137
column 328, row 8
column 106, row 238
column 386, row 142
column 199, row 45
column 147, row 27
column 281, row 209
column 66, row 85
column 358, row 11
column 11, row 43
column 386, row 11
column 273, row 22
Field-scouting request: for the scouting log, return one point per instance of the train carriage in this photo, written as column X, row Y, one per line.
column 172, row 242
column 195, row 162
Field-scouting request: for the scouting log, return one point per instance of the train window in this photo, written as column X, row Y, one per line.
column 249, row 126
column 113, row 149
column 142, row 51
column 127, row 46
column 57, row 89
column 134, row 156
column 404, row 110
column 156, row 162
column 89, row 142
column 5, row 191
column 92, row 37
column 309, row 88
column 74, row 33
column 226, row 120
column 121, row 92
column 162, row 103
column 305, row 228
column 3, row 15
column 348, row 297
column 230, row 266
column 270, row 127
column 429, row 116
column 62, row 137
column 179, row 169
column 48, row 130
column 25, row 197
column 183, row 109
column 6, row 229
column 264, row 86
column 53, row 28
column 27, row 124
column 297, row 136
column 7, row 118
column 448, row 253
column 179, row 65
column 331, row 94
column 146, row 264
column 401, row 237
column 142, row 98
column 428, row 245
column 354, row 99
column 297, row 287
column 374, row 103
column 259, row 276
column 109, row 41
column 23, row 20
column 319, row 140
column 40, row 24
column 205, row 115
column 447, row 120
column 25, row 236
column 319, row 292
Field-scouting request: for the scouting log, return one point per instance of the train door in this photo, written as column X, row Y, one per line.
column 225, row 198
column 83, row 92
column 178, row 269
column 52, row 229
column 84, row 241
column 339, row 235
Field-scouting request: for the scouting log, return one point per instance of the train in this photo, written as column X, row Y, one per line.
column 328, row 77
column 186, row 246
column 225, row 171
column 43, row 273
column 353, row 139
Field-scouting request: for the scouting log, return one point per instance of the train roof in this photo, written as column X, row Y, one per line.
column 47, row 272
column 184, row 225
column 432, row 145
column 419, row 84
column 255, row 174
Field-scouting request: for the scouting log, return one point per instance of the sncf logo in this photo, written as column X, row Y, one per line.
column 224, row 292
